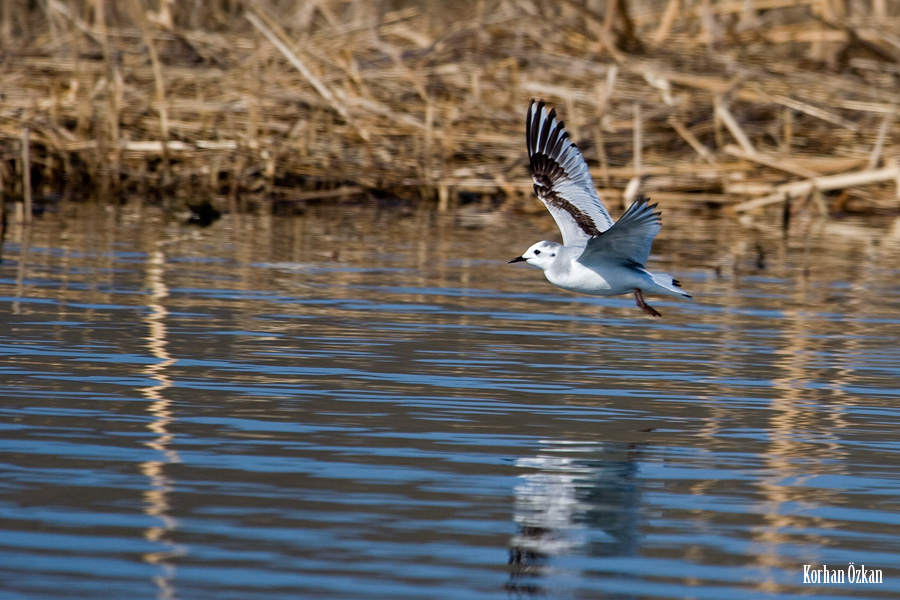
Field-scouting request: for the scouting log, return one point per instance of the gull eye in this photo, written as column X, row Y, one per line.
column 536, row 252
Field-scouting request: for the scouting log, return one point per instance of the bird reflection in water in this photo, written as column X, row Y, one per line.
column 574, row 499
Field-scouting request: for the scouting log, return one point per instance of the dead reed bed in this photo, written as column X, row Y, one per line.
column 731, row 104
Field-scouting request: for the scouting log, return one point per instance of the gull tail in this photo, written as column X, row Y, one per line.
column 668, row 285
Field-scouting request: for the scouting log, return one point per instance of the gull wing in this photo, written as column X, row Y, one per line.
column 561, row 178
column 629, row 239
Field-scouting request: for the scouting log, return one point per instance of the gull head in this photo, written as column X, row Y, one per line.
column 540, row 255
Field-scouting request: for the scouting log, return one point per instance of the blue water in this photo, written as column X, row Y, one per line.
column 371, row 404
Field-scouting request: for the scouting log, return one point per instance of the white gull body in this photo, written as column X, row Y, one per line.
column 598, row 257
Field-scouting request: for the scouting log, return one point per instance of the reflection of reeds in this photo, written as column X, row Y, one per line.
column 728, row 103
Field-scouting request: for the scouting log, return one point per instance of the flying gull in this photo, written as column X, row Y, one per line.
column 598, row 256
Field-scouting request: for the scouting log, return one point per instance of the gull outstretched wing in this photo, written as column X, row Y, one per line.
column 628, row 240
column 562, row 179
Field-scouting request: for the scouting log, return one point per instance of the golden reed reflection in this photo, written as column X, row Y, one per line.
column 791, row 459
column 156, row 498
column 809, row 407
column 805, row 429
column 24, row 237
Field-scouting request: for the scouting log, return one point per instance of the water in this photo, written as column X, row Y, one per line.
column 373, row 404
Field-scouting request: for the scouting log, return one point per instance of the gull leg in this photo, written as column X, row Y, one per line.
column 639, row 299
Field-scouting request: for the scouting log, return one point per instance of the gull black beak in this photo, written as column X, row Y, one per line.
column 517, row 259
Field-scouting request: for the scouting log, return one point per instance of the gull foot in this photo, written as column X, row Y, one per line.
column 639, row 299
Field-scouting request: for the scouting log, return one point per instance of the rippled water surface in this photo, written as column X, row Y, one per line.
column 372, row 404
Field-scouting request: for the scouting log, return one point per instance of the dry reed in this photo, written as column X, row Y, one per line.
column 736, row 104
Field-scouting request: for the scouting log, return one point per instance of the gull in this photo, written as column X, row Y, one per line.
column 598, row 256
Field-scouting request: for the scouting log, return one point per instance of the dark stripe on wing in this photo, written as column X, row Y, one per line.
column 545, row 192
column 544, row 145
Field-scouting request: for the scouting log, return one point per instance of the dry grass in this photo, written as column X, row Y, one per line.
column 736, row 103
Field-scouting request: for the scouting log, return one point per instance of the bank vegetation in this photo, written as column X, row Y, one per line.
column 731, row 105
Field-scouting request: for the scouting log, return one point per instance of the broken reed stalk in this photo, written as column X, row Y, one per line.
column 692, row 140
column 5, row 23
column 111, row 115
column 665, row 24
column 879, row 141
column 823, row 184
column 159, row 88
column 771, row 162
column 732, row 125
column 631, row 190
column 26, row 174
column 276, row 35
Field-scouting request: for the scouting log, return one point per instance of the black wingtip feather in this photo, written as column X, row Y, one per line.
column 545, row 137
column 646, row 200
column 549, row 147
